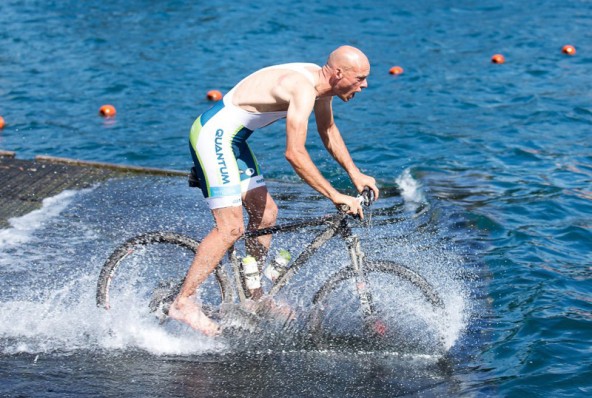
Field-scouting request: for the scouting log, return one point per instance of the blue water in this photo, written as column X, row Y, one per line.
column 501, row 153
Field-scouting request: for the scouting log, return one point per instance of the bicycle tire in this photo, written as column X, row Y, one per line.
column 382, row 266
column 129, row 246
column 370, row 266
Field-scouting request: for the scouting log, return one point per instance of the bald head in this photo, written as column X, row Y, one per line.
column 347, row 57
column 344, row 74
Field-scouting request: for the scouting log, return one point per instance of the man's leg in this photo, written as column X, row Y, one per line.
column 229, row 227
column 262, row 212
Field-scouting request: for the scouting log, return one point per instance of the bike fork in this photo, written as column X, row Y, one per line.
column 357, row 259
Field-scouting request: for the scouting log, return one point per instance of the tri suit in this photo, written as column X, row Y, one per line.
column 226, row 165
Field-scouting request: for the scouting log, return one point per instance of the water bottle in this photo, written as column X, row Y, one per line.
column 251, row 273
column 278, row 266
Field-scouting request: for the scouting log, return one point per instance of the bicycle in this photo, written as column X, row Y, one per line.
column 335, row 225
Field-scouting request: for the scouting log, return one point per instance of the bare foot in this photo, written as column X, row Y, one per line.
column 185, row 310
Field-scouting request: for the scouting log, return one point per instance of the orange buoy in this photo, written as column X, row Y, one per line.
column 2, row 123
column 498, row 59
column 107, row 111
column 396, row 70
column 569, row 49
column 214, row 95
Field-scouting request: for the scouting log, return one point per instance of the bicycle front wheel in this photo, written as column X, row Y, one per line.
column 339, row 316
column 150, row 268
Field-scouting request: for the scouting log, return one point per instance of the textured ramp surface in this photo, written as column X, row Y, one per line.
column 25, row 183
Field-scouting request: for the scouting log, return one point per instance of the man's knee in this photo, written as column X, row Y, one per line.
column 269, row 214
column 261, row 208
column 230, row 232
column 229, row 224
column 263, row 217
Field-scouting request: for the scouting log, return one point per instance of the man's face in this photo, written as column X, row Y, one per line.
column 352, row 81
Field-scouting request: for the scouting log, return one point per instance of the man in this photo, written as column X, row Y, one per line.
column 230, row 177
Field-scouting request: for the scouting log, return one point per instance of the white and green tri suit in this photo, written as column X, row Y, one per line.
column 225, row 164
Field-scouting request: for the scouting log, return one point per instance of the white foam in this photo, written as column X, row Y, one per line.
column 411, row 189
column 59, row 311
column 67, row 319
column 22, row 228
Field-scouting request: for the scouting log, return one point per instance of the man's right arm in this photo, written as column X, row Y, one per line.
column 299, row 110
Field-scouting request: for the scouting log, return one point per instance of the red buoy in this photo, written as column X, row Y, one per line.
column 498, row 59
column 569, row 49
column 396, row 70
column 107, row 111
column 2, row 123
column 214, row 95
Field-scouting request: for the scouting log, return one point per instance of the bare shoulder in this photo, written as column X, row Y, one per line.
column 272, row 89
column 290, row 83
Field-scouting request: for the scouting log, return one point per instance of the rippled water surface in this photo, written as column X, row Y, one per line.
column 486, row 172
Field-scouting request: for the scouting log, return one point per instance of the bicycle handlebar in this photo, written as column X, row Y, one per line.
column 366, row 198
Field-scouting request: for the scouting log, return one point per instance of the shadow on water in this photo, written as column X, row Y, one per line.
column 55, row 328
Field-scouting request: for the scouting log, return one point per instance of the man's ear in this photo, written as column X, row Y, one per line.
column 339, row 73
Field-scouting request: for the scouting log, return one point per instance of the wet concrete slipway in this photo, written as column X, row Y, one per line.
column 60, row 219
column 25, row 183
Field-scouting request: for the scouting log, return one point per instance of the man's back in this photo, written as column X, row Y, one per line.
column 270, row 89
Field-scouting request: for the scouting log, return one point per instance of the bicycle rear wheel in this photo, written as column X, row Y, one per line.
column 160, row 284
column 392, row 283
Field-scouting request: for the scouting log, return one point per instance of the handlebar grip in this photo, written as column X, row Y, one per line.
column 345, row 208
column 367, row 196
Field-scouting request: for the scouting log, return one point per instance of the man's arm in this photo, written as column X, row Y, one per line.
column 301, row 106
column 335, row 145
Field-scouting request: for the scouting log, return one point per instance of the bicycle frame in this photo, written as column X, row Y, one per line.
column 357, row 272
column 336, row 225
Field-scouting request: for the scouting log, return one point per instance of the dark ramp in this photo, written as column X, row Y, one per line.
column 25, row 183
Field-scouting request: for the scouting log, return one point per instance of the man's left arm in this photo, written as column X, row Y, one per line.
column 335, row 145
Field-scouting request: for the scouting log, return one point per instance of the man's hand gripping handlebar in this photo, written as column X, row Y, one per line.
column 366, row 198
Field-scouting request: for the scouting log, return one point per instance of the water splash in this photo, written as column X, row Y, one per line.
column 411, row 190
column 49, row 304
column 23, row 228
column 66, row 320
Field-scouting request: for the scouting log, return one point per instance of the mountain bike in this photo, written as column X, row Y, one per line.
column 229, row 278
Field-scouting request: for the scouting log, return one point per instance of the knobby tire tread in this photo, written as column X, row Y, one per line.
column 128, row 247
